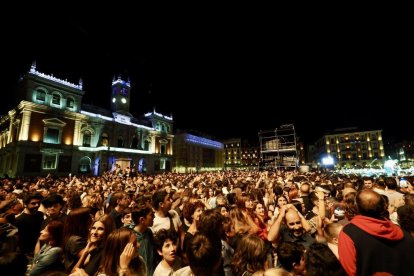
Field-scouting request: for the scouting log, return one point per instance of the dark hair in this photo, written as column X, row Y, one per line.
column 203, row 255
column 209, row 220
column 137, row 213
column 29, row 197
column 250, row 255
column 190, row 208
column 53, row 199
column 158, row 197
column 77, row 223
column 55, row 230
column 289, row 253
column 114, row 246
column 162, row 235
column 320, row 260
column 406, row 217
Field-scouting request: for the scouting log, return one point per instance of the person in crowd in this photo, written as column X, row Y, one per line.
column 331, row 233
column 227, row 251
column 126, row 218
column 164, row 217
column 120, row 256
column 304, row 194
column 281, row 200
column 49, row 256
column 166, row 243
column 192, row 212
column 290, row 225
column 260, row 218
column 391, row 192
column 368, row 182
column 249, row 256
column 53, row 204
column 291, row 257
column 406, row 218
column 75, row 232
column 377, row 243
column 73, row 201
column 9, row 209
column 29, row 223
column 93, row 252
column 318, row 211
column 118, row 202
column 142, row 219
column 319, row 260
column 204, row 258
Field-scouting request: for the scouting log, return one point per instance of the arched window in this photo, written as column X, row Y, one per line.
column 85, row 164
column 40, row 95
column 56, row 99
column 86, row 138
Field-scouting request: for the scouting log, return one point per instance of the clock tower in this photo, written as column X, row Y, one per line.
column 120, row 95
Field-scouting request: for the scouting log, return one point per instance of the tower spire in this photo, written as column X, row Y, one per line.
column 33, row 67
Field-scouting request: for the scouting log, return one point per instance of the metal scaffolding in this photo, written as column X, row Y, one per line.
column 278, row 148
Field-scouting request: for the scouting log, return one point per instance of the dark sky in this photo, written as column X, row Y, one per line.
column 227, row 75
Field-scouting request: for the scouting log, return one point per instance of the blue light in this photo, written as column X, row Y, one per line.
column 119, row 80
column 203, row 141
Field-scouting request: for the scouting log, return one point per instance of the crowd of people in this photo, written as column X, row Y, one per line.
column 228, row 223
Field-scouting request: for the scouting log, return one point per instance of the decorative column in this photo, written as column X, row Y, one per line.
column 25, row 125
column 76, row 132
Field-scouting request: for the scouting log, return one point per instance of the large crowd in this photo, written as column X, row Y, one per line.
column 228, row 223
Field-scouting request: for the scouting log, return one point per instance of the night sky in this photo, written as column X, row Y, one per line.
column 227, row 76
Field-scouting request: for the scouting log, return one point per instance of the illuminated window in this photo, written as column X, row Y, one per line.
column 162, row 163
column 40, row 95
column 104, row 139
column 56, row 99
column 70, row 103
column 52, row 136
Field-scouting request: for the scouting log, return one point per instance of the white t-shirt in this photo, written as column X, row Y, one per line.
column 160, row 270
column 164, row 223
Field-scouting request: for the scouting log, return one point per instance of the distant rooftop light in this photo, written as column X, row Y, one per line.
column 119, row 80
column 203, row 141
column 159, row 115
column 52, row 78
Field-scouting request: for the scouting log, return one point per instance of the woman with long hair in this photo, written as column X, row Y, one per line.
column 250, row 256
column 92, row 253
column 75, row 233
column 49, row 257
column 120, row 256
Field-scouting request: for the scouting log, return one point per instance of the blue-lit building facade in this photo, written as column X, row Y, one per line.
column 195, row 154
column 51, row 131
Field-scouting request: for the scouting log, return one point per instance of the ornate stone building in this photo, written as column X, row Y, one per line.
column 51, row 131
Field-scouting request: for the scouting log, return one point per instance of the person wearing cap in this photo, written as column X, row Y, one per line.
column 53, row 204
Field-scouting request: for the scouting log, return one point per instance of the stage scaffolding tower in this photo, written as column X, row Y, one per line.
column 278, row 148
